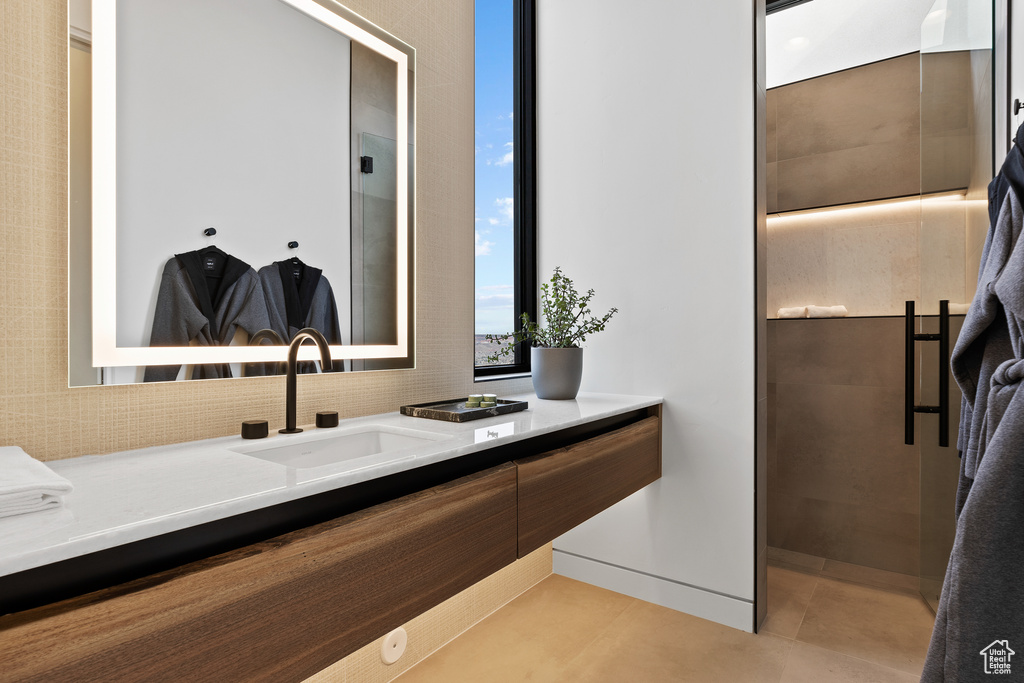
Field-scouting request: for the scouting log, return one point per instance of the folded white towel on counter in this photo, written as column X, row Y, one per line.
column 793, row 312
column 826, row 311
column 958, row 309
column 27, row 485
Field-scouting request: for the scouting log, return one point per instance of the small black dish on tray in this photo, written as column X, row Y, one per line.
column 456, row 410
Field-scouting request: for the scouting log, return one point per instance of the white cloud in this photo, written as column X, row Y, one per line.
column 505, row 208
column 493, row 221
column 510, row 116
column 483, row 247
column 507, row 159
column 493, row 301
column 493, row 308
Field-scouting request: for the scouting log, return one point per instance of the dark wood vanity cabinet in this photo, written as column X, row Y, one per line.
column 560, row 489
column 279, row 610
column 285, row 608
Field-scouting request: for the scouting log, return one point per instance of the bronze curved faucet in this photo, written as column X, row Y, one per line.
column 266, row 333
column 293, row 356
column 275, row 340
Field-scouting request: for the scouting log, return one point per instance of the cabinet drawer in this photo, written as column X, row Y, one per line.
column 280, row 610
column 559, row 489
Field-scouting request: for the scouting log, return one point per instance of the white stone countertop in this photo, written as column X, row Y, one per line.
column 132, row 495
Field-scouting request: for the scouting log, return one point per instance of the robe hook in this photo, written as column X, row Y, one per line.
column 293, row 245
column 210, row 232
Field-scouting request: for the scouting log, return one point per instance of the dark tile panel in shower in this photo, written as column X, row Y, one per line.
column 866, row 133
column 843, row 176
column 868, row 105
column 842, row 484
column 946, row 132
column 849, row 136
column 857, row 534
column 842, row 443
column 857, row 351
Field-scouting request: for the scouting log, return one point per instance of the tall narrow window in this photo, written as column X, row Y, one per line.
column 505, row 187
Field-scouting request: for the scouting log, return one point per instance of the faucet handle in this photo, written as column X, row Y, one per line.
column 327, row 419
column 255, row 429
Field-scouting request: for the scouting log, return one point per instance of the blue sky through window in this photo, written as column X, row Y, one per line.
column 494, row 181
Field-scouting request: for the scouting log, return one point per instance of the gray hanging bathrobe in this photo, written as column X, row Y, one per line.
column 196, row 304
column 983, row 593
column 299, row 296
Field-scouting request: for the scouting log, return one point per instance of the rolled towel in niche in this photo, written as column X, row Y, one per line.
column 793, row 312
column 826, row 311
column 959, row 309
column 27, row 485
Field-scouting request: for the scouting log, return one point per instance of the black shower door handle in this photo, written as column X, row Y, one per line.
column 909, row 408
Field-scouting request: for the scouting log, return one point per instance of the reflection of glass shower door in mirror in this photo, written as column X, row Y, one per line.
column 374, row 244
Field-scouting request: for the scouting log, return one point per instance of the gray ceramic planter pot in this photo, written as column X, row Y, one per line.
column 556, row 372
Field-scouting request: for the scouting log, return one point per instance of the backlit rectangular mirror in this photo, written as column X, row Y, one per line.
column 234, row 167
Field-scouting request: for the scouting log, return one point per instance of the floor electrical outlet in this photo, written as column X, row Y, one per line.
column 393, row 647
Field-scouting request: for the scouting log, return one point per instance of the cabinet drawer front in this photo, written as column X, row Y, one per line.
column 283, row 609
column 560, row 489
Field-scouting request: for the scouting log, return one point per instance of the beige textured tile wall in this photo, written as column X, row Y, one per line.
column 869, row 258
column 438, row 626
column 40, row 413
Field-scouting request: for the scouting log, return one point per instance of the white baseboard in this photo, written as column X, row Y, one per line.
column 730, row 611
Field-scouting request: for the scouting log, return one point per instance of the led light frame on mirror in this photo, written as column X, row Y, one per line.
column 105, row 351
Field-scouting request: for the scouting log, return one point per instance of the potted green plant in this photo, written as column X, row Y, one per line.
column 556, row 357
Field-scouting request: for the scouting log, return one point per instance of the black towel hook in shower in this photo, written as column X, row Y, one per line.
column 293, row 245
column 210, row 232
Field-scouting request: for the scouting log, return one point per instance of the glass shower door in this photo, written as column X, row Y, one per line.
column 956, row 132
column 374, row 312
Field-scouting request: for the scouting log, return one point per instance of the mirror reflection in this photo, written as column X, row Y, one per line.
column 245, row 177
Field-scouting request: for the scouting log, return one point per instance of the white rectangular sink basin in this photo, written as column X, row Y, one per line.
column 317, row 450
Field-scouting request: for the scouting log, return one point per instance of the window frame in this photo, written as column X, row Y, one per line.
column 524, row 173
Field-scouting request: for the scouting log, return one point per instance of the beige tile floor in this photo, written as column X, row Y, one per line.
column 818, row 629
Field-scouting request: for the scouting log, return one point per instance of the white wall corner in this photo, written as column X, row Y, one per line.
column 646, row 194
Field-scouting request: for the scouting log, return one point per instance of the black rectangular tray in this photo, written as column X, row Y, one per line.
column 456, row 411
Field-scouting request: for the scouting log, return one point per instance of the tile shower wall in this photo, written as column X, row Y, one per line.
column 841, row 482
column 894, row 128
column 870, row 258
column 823, row 152
column 37, row 409
column 871, row 132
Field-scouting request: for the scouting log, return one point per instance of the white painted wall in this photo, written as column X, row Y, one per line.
column 830, row 35
column 646, row 192
column 232, row 114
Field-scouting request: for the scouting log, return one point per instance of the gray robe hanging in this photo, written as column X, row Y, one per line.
column 983, row 592
column 298, row 296
column 189, row 307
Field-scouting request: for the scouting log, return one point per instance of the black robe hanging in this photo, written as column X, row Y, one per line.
column 298, row 296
